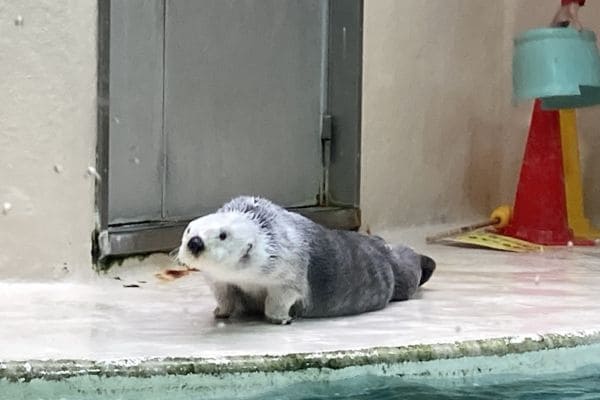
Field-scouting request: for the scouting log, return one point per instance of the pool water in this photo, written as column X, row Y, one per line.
column 584, row 385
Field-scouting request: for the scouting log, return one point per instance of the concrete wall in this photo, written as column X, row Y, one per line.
column 441, row 139
column 47, row 119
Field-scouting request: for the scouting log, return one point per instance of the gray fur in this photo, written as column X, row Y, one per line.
column 322, row 272
column 351, row 273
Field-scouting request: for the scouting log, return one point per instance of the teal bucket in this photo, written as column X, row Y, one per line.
column 559, row 65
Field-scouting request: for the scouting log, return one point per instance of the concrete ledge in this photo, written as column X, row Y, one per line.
column 56, row 370
column 478, row 320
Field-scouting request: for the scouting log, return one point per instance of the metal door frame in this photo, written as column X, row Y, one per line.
column 339, row 208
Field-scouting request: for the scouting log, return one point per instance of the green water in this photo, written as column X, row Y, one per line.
column 584, row 385
column 574, row 386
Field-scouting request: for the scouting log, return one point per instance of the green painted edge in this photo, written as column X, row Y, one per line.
column 57, row 370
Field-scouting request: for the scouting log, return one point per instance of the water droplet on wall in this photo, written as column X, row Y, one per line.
column 91, row 171
column 6, row 207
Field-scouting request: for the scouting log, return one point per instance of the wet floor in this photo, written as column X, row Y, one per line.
column 474, row 294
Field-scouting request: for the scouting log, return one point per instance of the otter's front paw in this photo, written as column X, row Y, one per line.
column 278, row 304
column 279, row 321
column 220, row 313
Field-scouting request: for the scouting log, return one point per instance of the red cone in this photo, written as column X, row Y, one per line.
column 540, row 211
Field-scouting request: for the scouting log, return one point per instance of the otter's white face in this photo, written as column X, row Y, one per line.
column 220, row 244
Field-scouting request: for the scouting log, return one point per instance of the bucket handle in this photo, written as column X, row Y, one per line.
column 567, row 15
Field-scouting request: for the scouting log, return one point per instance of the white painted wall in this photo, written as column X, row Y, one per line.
column 441, row 139
column 47, row 118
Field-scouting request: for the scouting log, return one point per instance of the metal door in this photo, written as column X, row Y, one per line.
column 209, row 99
column 243, row 90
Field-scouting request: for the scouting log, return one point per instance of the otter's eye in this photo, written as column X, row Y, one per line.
column 222, row 236
column 187, row 231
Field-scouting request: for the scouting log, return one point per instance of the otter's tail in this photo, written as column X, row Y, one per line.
column 411, row 270
column 427, row 268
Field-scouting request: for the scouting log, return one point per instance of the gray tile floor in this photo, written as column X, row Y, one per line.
column 474, row 294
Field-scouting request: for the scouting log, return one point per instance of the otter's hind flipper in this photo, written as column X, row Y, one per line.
column 427, row 268
column 411, row 270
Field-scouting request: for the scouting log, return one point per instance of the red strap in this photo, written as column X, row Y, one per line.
column 567, row 2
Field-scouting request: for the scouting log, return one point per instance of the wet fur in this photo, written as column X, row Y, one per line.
column 284, row 265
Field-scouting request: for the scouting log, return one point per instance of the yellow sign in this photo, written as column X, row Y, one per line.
column 491, row 240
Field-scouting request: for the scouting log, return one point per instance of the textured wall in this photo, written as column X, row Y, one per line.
column 47, row 119
column 441, row 139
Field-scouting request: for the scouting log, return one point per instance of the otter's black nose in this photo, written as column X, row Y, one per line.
column 195, row 245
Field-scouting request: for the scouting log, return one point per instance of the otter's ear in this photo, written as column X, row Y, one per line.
column 249, row 247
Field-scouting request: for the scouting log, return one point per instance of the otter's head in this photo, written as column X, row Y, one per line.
column 222, row 243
